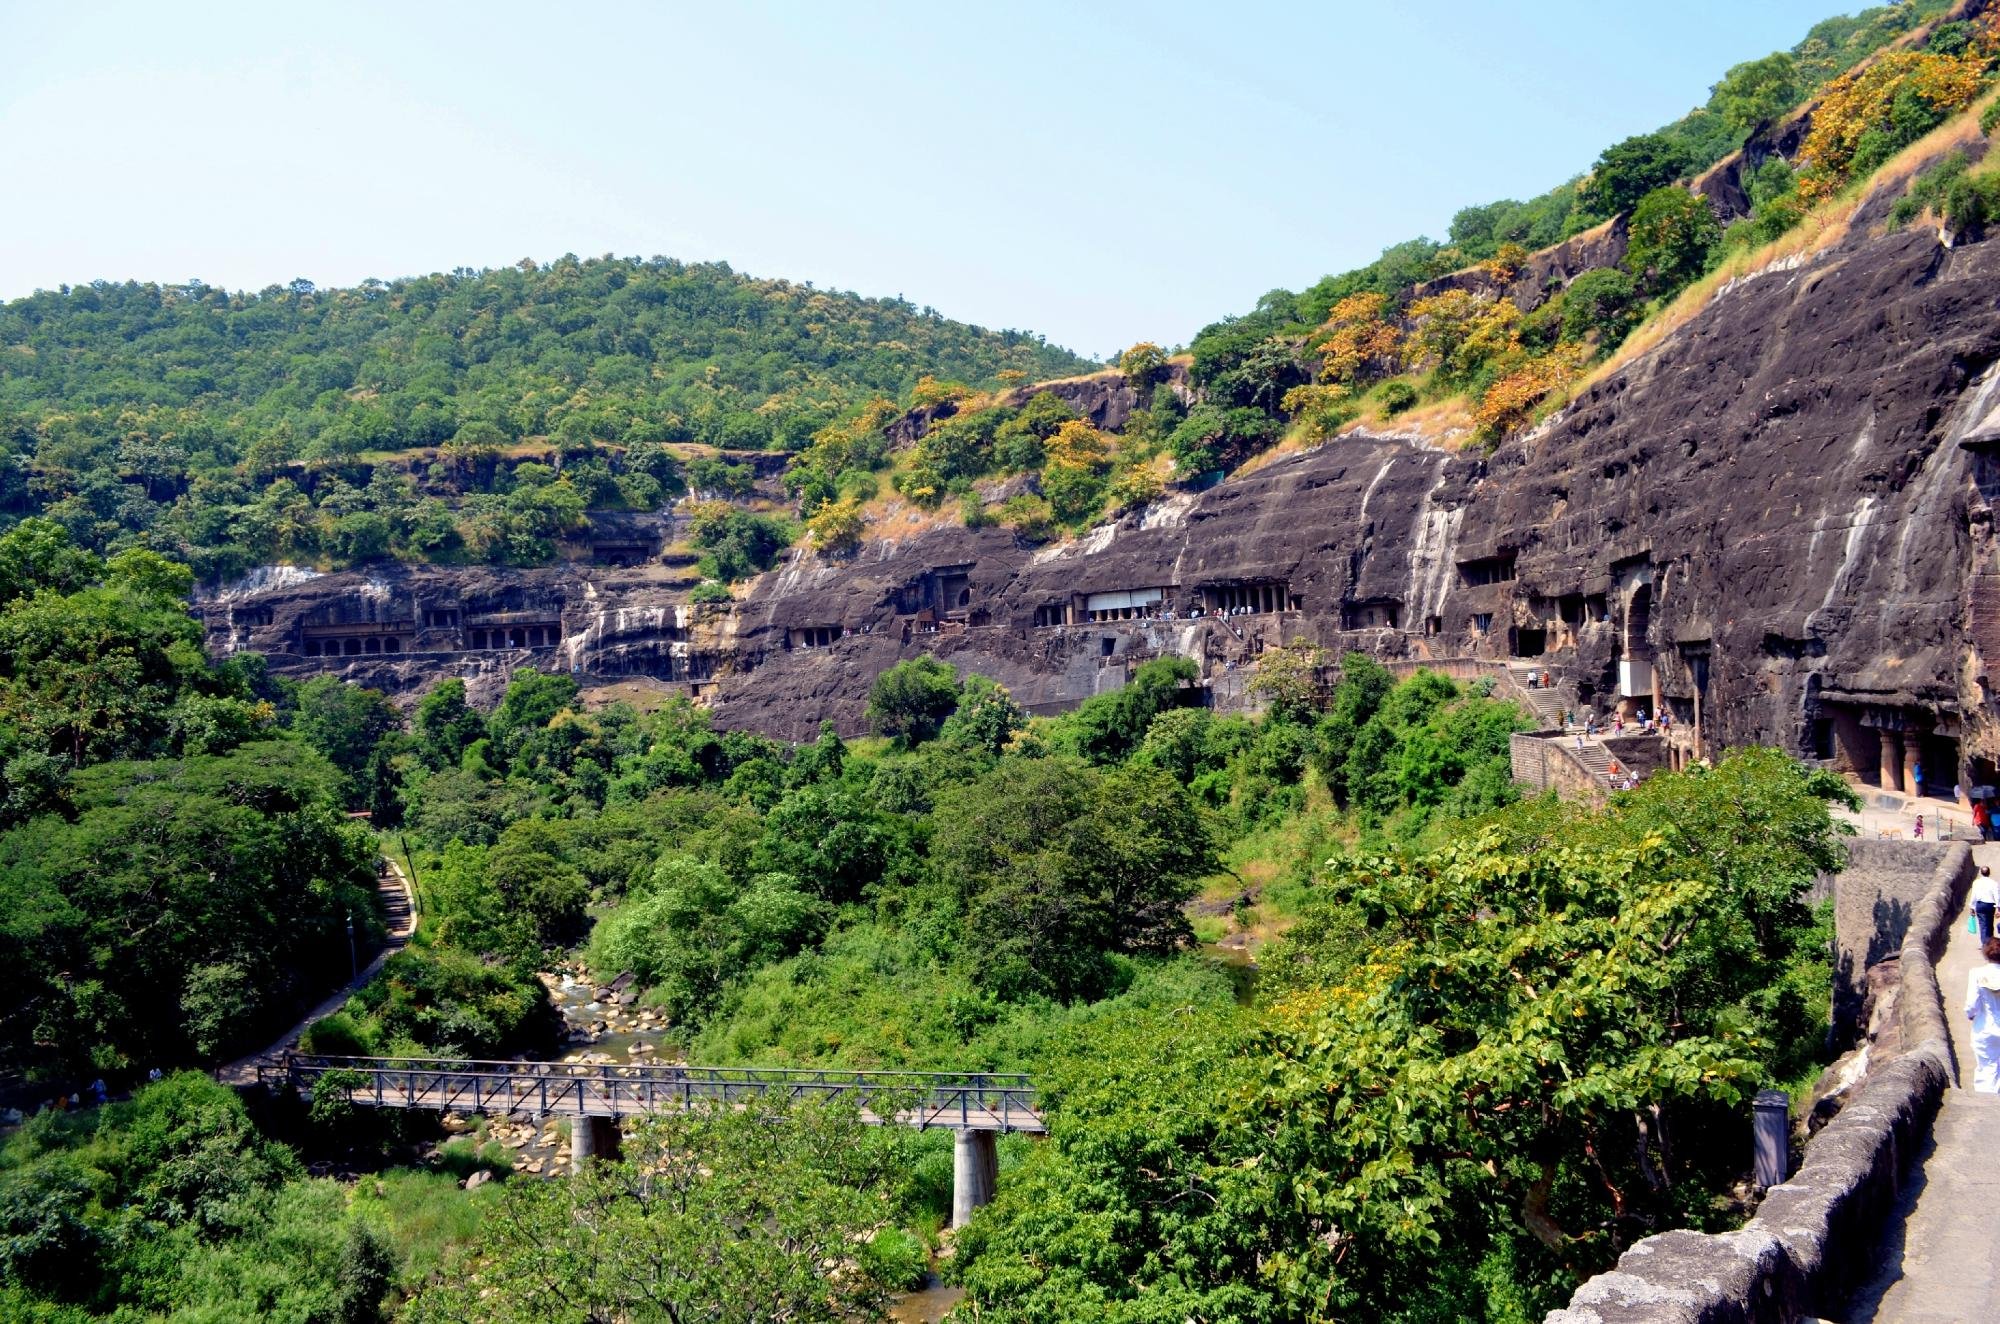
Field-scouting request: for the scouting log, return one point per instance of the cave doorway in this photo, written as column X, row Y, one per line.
column 1939, row 757
column 1530, row 642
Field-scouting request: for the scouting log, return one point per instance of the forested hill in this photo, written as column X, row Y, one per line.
column 130, row 409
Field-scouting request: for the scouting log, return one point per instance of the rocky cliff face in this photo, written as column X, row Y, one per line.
column 1778, row 523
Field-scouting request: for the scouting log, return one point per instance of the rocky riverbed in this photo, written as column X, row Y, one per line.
column 603, row 1027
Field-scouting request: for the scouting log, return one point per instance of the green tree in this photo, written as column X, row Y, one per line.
column 1626, row 172
column 187, row 903
column 1756, row 91
column 1674, row 238
column 1107, row 727
column 692, row 929
column 38, row 554
column 1056, row 866
column 445, row 725
column 352, row 726
column 911, row 700
column 986, row 717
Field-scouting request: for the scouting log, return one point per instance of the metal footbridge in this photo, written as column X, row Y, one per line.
column 965, row 1101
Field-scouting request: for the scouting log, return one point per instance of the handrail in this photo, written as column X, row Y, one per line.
column 961, row 1100
column 518, row 1067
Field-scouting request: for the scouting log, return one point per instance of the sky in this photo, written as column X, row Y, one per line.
column 1100, row 174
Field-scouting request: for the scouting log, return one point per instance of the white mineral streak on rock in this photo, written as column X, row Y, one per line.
column 1430, row 553
column 1368, row 493
column 265, row 577
column 1169, row 512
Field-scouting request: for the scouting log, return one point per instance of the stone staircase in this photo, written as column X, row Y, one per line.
column 1548, row 705
column 1593, row 757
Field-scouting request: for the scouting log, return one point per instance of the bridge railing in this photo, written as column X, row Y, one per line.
column 984, row 1101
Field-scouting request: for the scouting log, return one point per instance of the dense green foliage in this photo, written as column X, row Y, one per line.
column 176, row 1205
column 784, row 1211
column 987, row 892
column 1514, row 1052
column 233, row 429
column 175, row 872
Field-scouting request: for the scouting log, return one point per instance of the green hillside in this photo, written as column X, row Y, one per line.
column 160, row 414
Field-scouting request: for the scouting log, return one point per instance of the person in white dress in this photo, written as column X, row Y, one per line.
column 1982, row 1008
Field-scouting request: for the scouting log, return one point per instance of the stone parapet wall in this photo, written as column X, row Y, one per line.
column 1541, row 762
column 1874, row 899
column 1815, row 1234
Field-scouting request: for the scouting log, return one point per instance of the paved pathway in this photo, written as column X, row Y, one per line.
column 400, row 914
column 1941, row 1263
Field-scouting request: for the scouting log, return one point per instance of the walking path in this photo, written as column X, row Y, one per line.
column 1941, row 1257
column 401, row 917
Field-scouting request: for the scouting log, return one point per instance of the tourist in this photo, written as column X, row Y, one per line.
column 1985, row 897
column 1918, row 832
column 1982, row 820
column 1982, row 1008
column 1917, row 778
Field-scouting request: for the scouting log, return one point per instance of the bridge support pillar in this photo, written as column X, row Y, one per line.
column 975, row 1169
column 592, row 1138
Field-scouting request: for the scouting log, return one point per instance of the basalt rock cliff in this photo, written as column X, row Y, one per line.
column 1777, row 523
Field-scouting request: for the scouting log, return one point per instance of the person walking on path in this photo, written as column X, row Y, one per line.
column 1982, row 1008
column 1985, row 899
column 1917, row 778
column 1982, row 820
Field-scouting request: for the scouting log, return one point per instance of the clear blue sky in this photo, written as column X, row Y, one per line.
column 1100, row 174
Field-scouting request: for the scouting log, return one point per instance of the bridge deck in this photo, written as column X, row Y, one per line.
column 959, row 1101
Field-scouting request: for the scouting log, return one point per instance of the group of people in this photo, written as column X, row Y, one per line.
column 94, row 1095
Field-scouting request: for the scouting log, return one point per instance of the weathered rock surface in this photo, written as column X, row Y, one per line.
column 1777, row 523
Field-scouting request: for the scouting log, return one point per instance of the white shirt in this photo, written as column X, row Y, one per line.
column 1985, row 890
column 1982, row 1001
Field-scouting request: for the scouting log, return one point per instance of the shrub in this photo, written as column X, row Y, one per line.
column 896, row 1259
column 338, row 1035
column 1028, row 515
column 709, row 591
column 1510, row 401
column 1969, row 202
column 836, row 527
column 1397, row 397
column 1318, row 410
column 1600, row 301
column 1928, row 189
column 1988, row 118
